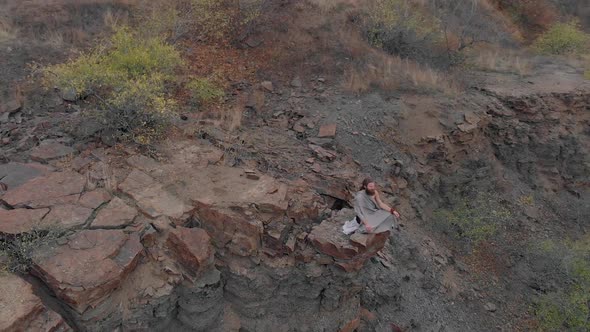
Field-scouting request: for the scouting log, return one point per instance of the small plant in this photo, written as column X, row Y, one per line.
column 130, row 76
column 474, row 219
column 563, row 38
column 567, row 308
column 204, row 91
column 17, row 250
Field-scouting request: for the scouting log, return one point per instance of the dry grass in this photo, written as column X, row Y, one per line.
column 391, row 72
column 501, row 60
column 7, row 31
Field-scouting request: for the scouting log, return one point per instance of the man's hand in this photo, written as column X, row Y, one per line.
column 367, row 227
column 394, row 212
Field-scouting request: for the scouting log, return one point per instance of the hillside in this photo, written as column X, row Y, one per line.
column 188, row 165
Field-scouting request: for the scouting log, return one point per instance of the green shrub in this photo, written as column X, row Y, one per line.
column 567, row 308
column 563, row 38
column 204, row 91
column 473, row 218
column 130, row 75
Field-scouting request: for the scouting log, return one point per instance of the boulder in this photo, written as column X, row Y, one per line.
column 116, row 214
column 191, row 247
column 20, row 220
column 41, row 191
column 22, row 310
column 88, row 267
column 349, row 252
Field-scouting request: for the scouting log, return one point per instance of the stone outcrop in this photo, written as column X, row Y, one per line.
column 222, row 249
column 45, row 191
column 89, row 266
column 22, row 310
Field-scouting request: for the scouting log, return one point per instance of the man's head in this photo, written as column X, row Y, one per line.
column 369, row 186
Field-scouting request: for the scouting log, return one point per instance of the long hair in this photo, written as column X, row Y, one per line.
column 366, row 182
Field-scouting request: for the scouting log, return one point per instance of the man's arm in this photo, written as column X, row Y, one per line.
column 385, row 206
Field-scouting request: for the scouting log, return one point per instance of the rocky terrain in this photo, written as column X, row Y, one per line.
column 238, row 228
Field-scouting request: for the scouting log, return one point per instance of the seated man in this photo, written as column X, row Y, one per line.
column 373, row 215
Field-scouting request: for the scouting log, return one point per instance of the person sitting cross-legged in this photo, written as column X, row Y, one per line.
column 373, row 215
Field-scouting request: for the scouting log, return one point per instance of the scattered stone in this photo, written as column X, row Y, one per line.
column 116, row 214
column 490, row 307
column 191, row 247
column 298, row 127
column 466, row 127
column 252, row 176
column 89, row 267
column 94, row 199
column 328, row 130
column 296, row 82
column 267, row 85
column 49, row 151
column 323, row 154
column 48, row 188
column 317, row 168
column 162, row 224
column 472, row 118
column 256, row 100
column 20, row 220
column 67, row 216
column 22, row 310
column 310, row 160
column 69, row 94
column 11, row 106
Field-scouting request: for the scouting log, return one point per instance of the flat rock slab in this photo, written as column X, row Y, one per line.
column 44, row 191
column 229, row 187
column 191, row 247
column 21, row 220
column 22, row 310
column 151, row 197
column 49, row 151
column 89, row 267
column 67, row 216
column 15, row 174
column 95, row 198
column 116, row 214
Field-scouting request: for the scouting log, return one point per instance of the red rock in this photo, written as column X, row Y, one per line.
column 191, row 247
column 15, row 174
column 116, row 214
column 22, row 310
column 41, row 189
column 329, row 239
column 89, row 267
column 328, row 130
column 323, row 154
column 231, row 230
column 352, row 325
column 67, row 216
column 95, row 198
column 367, row 316
column 350, row 253
column 50, row 151
column 21, row 220
column 151, row 197
column 62, row 200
